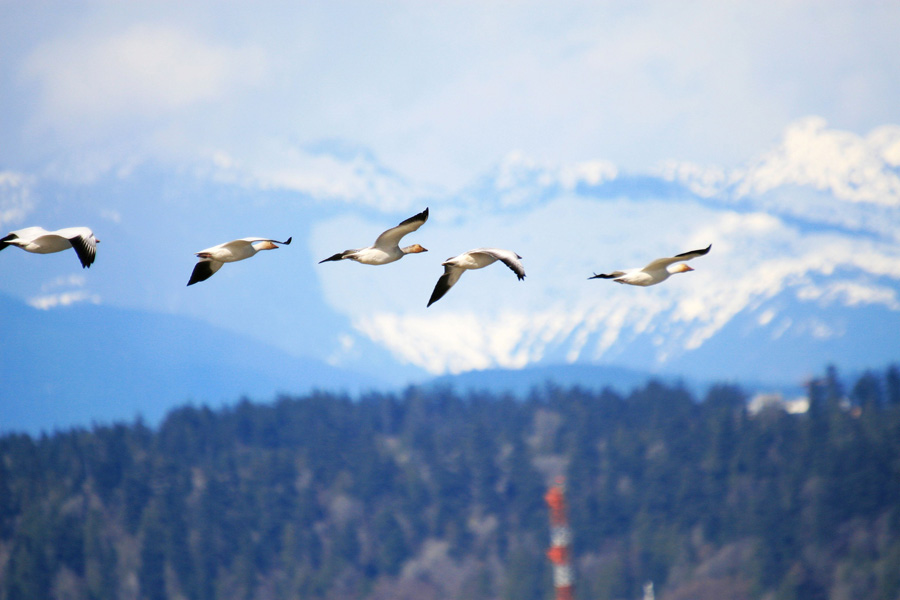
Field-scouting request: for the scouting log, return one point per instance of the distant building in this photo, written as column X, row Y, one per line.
column 775, row 401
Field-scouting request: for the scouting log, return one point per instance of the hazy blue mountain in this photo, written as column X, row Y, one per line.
column 804, row 271
column 520, row 382
column 84, row 363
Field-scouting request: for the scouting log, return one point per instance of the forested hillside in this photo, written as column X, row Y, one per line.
column 433, row 496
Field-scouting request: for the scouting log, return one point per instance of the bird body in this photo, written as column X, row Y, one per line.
column 473, row 259
column 212, row 259
column 40, row 241
column 656, row 272
column 386, row 248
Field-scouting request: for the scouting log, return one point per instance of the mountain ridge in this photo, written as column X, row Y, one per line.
column 76, row 365
column 800, row 269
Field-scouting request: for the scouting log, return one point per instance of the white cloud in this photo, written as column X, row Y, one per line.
column 443, row 90
column 48, row 301
column 64, row 281
column 358, row 179
column 16, row 199
column 111, row 215
column 143, row 71
column 702, row 180
column 519, row 177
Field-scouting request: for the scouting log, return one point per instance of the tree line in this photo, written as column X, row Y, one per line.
column 432, row 494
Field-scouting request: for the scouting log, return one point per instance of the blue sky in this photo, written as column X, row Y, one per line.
column 492, row 114
column 439, row 91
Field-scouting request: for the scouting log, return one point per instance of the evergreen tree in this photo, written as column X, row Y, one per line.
column 892, row 382
column 429, row 492
column 152, row 574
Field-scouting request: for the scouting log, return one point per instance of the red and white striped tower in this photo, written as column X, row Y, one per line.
column 560, row 537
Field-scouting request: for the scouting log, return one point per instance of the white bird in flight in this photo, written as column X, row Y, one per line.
column 212, row 259
column 386, row 248
column 474, row 259
column 655, row 272
column 41, row 241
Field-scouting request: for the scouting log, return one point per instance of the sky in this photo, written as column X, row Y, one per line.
column 378, row 109
column 439, row 91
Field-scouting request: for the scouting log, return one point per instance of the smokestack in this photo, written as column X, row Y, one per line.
column 560, row 538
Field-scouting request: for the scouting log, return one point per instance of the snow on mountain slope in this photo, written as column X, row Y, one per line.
column 805, row 258
column 812, row 223
column 489, row 319
column 817, row 175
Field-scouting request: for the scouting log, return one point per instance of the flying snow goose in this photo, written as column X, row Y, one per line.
column 386, row 248
column 473, row 259
column 41, row 241
column 212, row 259
column 656, row 272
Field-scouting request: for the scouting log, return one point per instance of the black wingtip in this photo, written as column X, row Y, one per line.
column 202, row 271
column 86, row 254
column 288, row 242
column 439, row 292
column 5, row 241
column 701, row 252
column 422, row 216
column 338, row 256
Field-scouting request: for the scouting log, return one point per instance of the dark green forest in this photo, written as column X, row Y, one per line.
column 430, row 494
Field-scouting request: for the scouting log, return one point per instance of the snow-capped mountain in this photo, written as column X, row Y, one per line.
column 804, row 268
